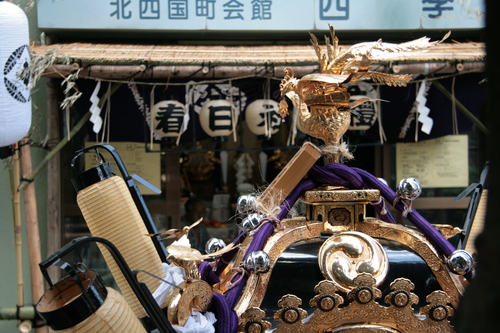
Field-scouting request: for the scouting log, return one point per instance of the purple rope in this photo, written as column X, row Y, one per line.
column 222, row 306
column 227, row 319
column 257, row 244
column 434, row 236
column 304, row 185
column 234, row 294
column 324, row 176
column 346, row 173
column 208, row 274
column 341, row 175
column 373, row 182
column 362, row 179
column 227, row 257
column 285, row 208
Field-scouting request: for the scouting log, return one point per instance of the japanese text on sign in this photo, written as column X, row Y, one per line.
column 255, row 15
column 441, row 162
column 181, row 9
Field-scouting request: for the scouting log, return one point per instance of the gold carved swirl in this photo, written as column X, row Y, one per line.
column 344, row 256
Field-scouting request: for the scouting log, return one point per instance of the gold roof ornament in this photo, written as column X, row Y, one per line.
column 322, row 99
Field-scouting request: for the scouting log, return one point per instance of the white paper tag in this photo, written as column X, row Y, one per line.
column 95, row 110
column 423, row 111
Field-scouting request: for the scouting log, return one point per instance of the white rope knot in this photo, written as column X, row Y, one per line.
column 274, row 220
column 341, row 150
column 271, row 208
column 406, row 203
column 381, row 200
column 268, row 219
column 238, row 270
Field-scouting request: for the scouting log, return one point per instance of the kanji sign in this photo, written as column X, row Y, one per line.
column 259, row 15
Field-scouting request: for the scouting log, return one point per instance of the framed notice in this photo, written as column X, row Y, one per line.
column 136, row 161
column 441, row 162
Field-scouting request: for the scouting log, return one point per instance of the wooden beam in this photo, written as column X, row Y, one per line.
column 172, row 190
column 440, row 203
column 141, row 71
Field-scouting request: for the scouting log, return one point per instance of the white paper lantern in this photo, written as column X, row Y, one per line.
column 366, row 112
column 262, row 117
column 167, row 118
column 15, row 99
column 218, row 117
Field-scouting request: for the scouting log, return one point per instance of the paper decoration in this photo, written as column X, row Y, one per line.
column 244, row 168
column 200, row 93
column 15, row 98
column 143, row 107
column 293, row 126
column 220, row 207
column 423, row 111
column 167, row 118
column 262, row 117
column 263, row 164
column 95, row 110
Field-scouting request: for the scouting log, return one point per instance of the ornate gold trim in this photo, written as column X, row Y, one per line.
column 301, row 229
column 295, row 230
column 190, row 295
column 321, row 196
column 363, row 313
column 454, row 285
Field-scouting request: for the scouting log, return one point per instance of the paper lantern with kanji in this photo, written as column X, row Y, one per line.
column 364, row 114
column 15, row 98
column 262, row 117
column 218, row 117
column 167, row 118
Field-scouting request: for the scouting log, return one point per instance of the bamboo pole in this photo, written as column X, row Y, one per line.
column 226, row 70
column 23, row 313
column 54, row 234
column 32, row 230
column 17, row 226
column 16, row 196
column 125, row 72
column 29, row 178
column 462, row 108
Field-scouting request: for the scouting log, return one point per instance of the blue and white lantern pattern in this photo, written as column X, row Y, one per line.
column 167, row 118
column 15, row 97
